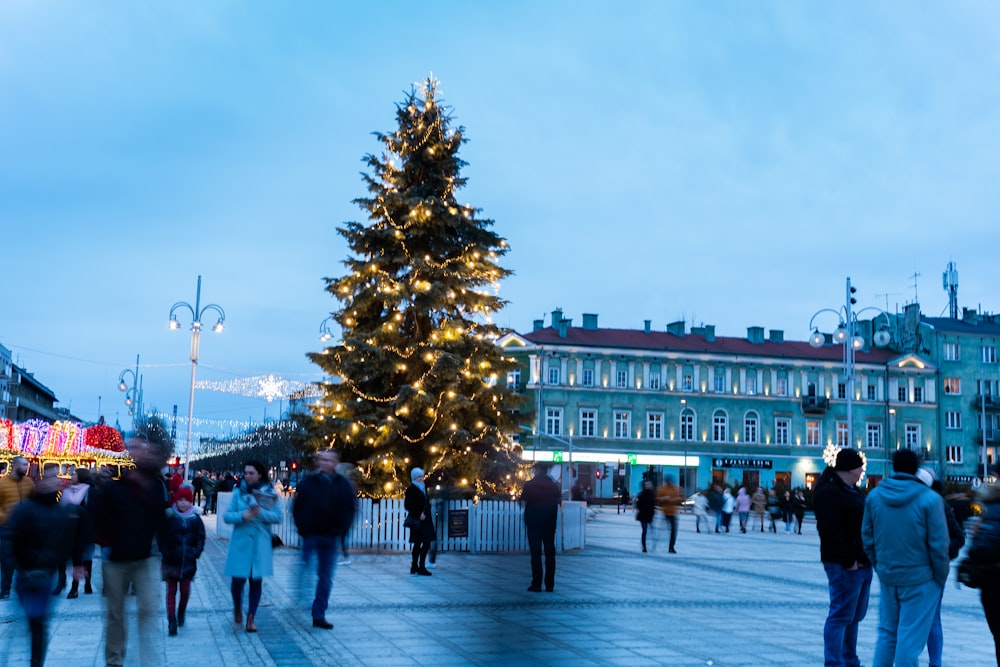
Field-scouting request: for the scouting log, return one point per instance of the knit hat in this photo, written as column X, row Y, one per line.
column 415, row 473
column 926, row 476
column 847, row 460
column 184, row 492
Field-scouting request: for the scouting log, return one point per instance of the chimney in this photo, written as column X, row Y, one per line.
column 556, row 317
column 706, row 330
column 776, row 336
column 755, row 335
column 970, row 315
column 590, row 321
column 564, row 325
column 676, row 328
column 647, row 325
column 537, row 325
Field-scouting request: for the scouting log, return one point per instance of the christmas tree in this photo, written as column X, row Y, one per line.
column 418, row 379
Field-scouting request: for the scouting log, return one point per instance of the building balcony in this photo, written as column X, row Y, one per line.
column 992, row 436
column 815, row 405
column 989, row 402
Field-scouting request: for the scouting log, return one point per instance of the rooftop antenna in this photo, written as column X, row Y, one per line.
column 949, row 280
column 916, row 299
column 887, row 295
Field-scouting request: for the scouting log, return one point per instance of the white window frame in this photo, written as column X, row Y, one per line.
column 720, row 426
column 623, row 424
column 781, row 386
column 588, row 422
column 688, row 422
column 751, row 386
column 814, row 433
column 953, row 420
column 873, row 434
column 918, row 394
column 553, row 421
column 588, row 377
column 553, row 375
column 953, row 454
column 951, row 352
column 911, row 436
column 751, row 428
column 782, row 430
column 842, row 435
column 687, row 383
column 989, row 354
column 952, row 386
column 621, row 379
column 719, row 383
column 654, row 381
column 654, row 425
column 514, row 378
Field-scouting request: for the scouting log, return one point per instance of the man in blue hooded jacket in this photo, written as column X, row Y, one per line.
column 905, row 535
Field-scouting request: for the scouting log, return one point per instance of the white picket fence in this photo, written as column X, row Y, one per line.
column 489, row 526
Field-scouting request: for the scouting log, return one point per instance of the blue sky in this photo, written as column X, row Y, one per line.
column 725, row 163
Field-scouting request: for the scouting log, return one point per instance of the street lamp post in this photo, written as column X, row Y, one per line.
column 325, row 333
column 132, row 397
column 196, row 314
column 847, row 335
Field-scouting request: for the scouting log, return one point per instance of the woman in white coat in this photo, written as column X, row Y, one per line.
column 252, row 510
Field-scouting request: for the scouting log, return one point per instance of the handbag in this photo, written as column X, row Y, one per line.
column 411, row 522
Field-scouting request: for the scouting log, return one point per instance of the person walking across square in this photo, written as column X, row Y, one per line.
column 541, row 497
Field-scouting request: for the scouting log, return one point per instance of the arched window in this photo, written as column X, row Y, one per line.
column 750, row 427
column 720, row 426
column 687, row 424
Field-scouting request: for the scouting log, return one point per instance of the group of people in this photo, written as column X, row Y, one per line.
column 905, row 533
column 668, row 497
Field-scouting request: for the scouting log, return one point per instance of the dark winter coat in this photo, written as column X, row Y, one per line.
column 417, row 503
column 324, row 505
column 181, row 541
column 44, row 534
column 128, row 513
column 840, row 510
column 984, row 546
column 645, row 506
column 541, row 497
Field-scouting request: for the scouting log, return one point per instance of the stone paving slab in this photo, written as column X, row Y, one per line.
column 724, row 599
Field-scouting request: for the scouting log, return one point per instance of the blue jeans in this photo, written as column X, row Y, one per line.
column 935, row 640
column 325, row 549
column 905, row 615
column 848, row 606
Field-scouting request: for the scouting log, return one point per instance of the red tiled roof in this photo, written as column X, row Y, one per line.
column 663, row 341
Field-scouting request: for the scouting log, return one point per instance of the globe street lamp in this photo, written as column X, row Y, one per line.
column 196, row 314
column 133, row 391
column 846, row 334
column 325, row 333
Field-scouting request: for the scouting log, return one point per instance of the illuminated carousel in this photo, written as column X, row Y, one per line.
column 68, row 444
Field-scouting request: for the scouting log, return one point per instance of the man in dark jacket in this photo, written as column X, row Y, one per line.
column 127, row 514
column 541, row 497
column 840, row 508
column 323, row 511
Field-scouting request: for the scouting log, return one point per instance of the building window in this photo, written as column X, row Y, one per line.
column 989, row 354
column 687, row 425
column 781, row 386
column 901, row 393
column 872, row 392
column 953, row 454
column 514, row 379
column 687, row 383
column 751, row 387
column 553, row 421
column 953, row 386
column 623, row 419
column 988, row 388
column 842, row 436
column 750, row 422
column 720, row 426
column 621, row 379
column 918, row 394
column 654, row 381
column 842, row 390
column 953, row 420
column 813, row 433
column 553, row 375
column 782, row 426
column 588, row 423
column 873, row 434
column 588, row 377
column 912, row 435
column 720, row 383
column 654, row 425
column 950, row 351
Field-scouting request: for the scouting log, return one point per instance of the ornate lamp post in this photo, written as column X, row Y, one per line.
column 325, row 333
column 197, row 311
column 847, row 335
column 133, row 391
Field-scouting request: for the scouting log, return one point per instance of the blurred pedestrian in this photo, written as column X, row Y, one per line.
column 418, row 510
column 715, row 502
column 15, row 486
column 127, row 513
column 198, row 484
column 541, row 497
column 181, row 540
column 728, row 506
column 209, row 487
column 347, row 471
column 984, row 555
column 798, row 509
column 758, row 505
column 44, row 535
column 701, row 511
column 786, row 511
column 645, row 509
column 323, row 510
column 905, row 535
column 840, row 509
column 743, row 508
column 670, row 498
column 252, row 511
column 75, row 498
column 773, row 509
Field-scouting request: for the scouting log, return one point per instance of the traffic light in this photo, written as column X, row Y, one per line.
column 599, row 473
